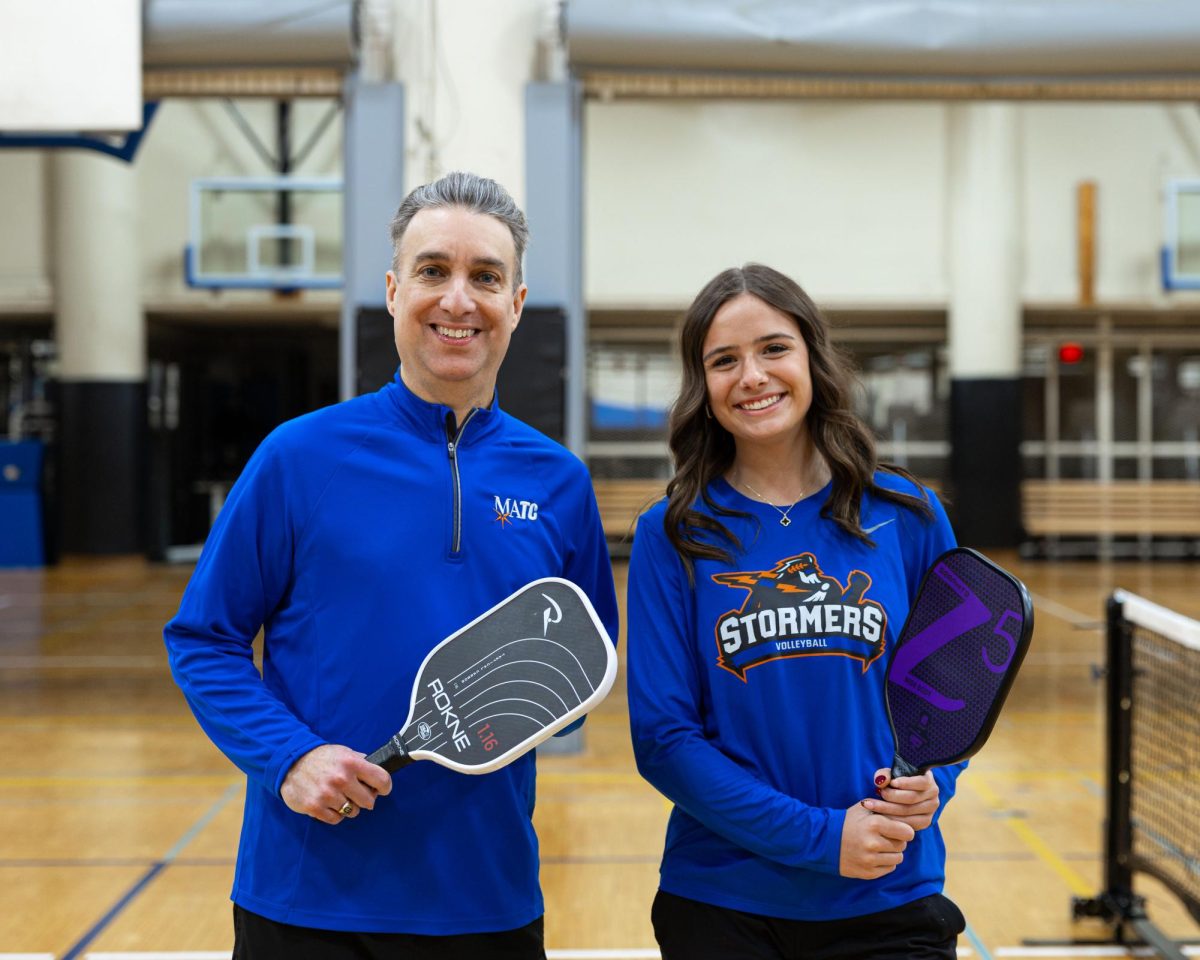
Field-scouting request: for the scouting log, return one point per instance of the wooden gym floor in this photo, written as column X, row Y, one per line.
column 120, row 820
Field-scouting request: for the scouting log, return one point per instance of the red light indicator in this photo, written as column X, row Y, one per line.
column 1070, row 352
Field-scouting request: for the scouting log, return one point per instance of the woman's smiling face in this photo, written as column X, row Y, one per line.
column 757, row 373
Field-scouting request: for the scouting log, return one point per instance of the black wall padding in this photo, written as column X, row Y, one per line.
column 101, row 467
column 531, row 381
column 533, row 376
column 985, row 463
column 376, row 360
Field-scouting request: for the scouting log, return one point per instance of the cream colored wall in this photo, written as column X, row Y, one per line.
column 187, row 139
column 24, row 223
column 848, row 198
column 1131, row 151
column 465, row 65
column 852, row 198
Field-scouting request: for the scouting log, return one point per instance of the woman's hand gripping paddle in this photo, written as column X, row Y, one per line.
column 957, row 656
column 506, row 681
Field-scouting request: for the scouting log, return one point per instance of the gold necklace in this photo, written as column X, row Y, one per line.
column 784, row 519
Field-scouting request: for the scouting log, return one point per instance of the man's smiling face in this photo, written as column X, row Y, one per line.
column 454, row 305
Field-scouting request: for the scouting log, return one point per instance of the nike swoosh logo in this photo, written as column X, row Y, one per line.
column 871, row 530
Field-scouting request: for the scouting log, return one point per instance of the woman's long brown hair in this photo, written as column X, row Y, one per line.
column 704, row 450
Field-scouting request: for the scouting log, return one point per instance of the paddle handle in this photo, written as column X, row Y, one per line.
column 900, row 768
column 392, row 755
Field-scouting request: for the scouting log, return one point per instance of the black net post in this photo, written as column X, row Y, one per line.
column 1116, row 903
column 1118, row 873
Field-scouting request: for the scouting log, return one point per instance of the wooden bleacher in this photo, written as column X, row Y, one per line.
column 621, row 501
column 1104, row 510
column 1051, row 509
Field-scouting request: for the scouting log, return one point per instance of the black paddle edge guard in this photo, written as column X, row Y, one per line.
column 900, row 767
column 1117, row 904
column 391, row 756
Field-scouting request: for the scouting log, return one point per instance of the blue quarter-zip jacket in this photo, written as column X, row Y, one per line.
column 756, row 701
column 358, row 537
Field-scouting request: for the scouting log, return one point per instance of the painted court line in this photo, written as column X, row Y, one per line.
column 633, row 954
column 1075, row 883
column 1085, row 951
column 976, row 943
column 147, row 878
column 602, row 955
column 1063, row 612
column 183, row 955
column 636, row 953
column 69, row 662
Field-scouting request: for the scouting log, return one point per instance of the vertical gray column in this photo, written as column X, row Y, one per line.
column 373, row 187
column 100, row 330
column 554, row 261
column 554, row 206
column 985, row 325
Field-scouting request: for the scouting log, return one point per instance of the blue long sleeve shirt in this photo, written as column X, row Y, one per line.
column 357, row 538
column 756, row 701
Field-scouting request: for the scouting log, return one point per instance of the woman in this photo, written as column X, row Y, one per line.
column 764, row 593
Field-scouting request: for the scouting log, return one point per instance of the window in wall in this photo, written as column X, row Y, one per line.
column 1077, row 417
column 630, row 390
column 904, row 398
column 1176, row 413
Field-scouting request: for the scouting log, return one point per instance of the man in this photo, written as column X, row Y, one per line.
column 358, row 537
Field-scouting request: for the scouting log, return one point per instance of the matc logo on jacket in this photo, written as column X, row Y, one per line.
column 509, row 509
column 797, row 610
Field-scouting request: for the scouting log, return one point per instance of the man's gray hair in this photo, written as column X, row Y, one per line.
column 470, row 192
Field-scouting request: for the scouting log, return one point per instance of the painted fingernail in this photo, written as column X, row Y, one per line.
column 879, row 791
column 881, row 780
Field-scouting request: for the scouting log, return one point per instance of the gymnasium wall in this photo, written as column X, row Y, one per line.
column 24, row 228
column 852, row 198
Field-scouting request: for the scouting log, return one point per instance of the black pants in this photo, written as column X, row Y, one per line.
column 257, row 938
column 926, row 929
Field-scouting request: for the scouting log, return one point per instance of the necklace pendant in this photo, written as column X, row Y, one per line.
column 785, row 522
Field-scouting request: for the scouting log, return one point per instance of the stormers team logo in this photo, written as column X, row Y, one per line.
column 797, row 610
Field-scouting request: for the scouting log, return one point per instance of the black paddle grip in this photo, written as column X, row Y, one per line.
column 391, row 756
column 900, row 768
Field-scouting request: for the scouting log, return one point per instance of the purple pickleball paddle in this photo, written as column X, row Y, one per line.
column 957, row 656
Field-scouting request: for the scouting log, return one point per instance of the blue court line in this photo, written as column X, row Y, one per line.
column 115, row 910
column 969, row 931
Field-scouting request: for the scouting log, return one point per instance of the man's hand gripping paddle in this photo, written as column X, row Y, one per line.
column 957, row 656
column 506, row 681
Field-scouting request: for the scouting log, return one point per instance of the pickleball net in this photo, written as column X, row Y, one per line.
column 1153, row 769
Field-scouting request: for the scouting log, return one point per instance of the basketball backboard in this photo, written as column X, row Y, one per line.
column 1181, row 244
column 67, row 66
column 281, row 233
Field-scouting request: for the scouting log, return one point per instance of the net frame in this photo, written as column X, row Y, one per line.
column 1162, row 660
column 1137, row 837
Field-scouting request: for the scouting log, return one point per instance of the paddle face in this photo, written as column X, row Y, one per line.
column 506, row 681
column 957, row 656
